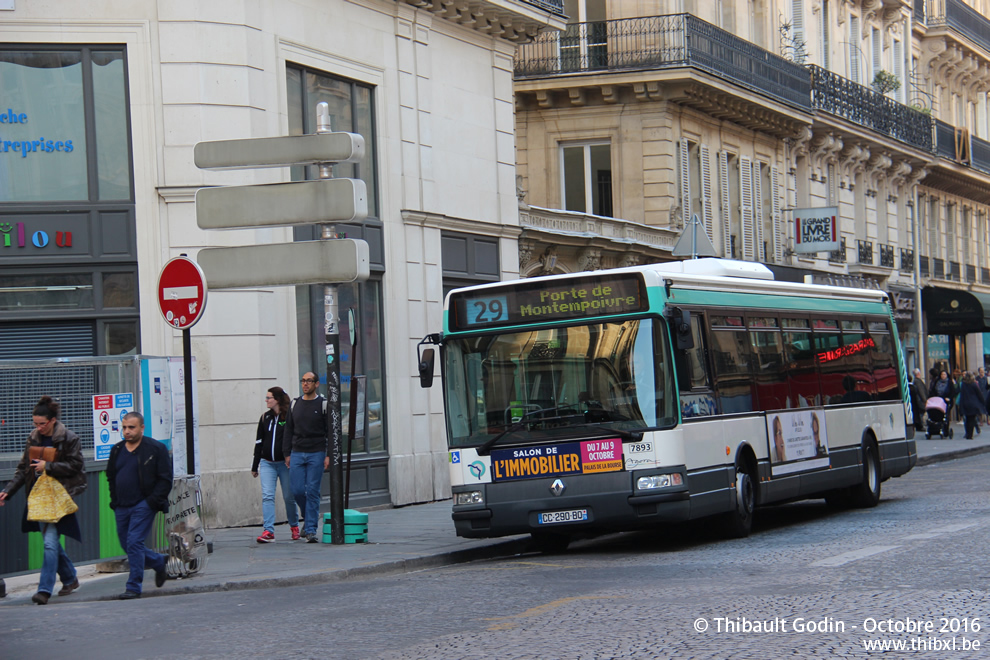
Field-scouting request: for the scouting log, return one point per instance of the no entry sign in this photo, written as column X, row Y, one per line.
column 181, row 292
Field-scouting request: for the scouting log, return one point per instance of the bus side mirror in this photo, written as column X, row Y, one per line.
column 426, row 360
column 680, row 324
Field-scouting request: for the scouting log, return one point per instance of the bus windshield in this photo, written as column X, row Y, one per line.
column 560, row 381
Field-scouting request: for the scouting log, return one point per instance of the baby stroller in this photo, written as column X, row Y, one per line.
column 938, row 420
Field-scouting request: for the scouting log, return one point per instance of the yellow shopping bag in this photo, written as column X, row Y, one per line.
column 49, row 502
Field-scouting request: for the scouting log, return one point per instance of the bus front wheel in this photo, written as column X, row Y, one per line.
column 867, row 493
column 738, row 522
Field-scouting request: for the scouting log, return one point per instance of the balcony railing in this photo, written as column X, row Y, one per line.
column 956, row 15
column 970, row 273
column 938, row 268
column 659, row 42
column 963, row 148
column 865, row 252
column 924, row 266
column 886, row 255
column 839, row 256
column 907, row 260
column 555, row 6
column 861, row 105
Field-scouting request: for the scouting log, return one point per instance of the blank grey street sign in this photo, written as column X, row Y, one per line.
column 279, row 204
column 284, row 264
column 279, row 151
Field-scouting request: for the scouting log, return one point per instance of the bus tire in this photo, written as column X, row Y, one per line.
column 549, row 543
column 866, row 494
column 738, row 523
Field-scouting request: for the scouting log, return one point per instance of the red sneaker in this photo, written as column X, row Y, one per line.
column 295, row 533
column 266, row 537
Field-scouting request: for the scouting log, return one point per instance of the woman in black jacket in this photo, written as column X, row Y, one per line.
column 269, row 462
column 68, row 469
column 970, row 403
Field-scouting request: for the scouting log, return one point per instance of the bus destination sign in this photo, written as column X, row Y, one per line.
column 538, row 302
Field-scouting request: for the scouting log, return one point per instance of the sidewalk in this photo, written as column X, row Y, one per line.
column 400, row 540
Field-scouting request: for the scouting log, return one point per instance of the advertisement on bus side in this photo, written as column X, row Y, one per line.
column 798, row 441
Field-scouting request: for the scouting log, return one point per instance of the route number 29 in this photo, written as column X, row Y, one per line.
column 488, row 310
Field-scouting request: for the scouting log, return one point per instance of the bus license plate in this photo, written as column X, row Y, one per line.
column 575, row 515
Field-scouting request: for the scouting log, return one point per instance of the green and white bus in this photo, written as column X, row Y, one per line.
column 625, row 399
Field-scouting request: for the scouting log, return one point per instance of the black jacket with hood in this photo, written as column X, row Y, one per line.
column 268, row 439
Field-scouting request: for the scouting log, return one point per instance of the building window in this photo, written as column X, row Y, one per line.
column 352, row 111
column 64, row 125
column 468, row 259
column 587, row 179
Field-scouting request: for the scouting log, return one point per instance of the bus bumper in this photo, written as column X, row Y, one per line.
column 611, row 502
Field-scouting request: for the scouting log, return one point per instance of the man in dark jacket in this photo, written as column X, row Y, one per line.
column 139, row 473
column 304, row 444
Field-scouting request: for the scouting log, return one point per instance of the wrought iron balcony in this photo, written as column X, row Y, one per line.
column 970, row 273
column 961, row 147
column 839, row 256
column 938, row 269
column 955, row 272
column 984, row 275
column 957, row 16
column 555, row 6
column 886, row 255
column 865, row 252
column 924, row 266
column 907, row 260
column 861, row 105
column 660, row 42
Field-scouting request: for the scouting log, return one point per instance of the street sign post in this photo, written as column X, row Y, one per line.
column 181, row 300
column 324, row 201
column 303, row 262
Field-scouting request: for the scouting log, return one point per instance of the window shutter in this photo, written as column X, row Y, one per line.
column 685, row 167
column 778, row 229
column 707, row 214
column 854, row 41
column 797, row 27
column 758, row 219
column 723, row 184
column 746, row 208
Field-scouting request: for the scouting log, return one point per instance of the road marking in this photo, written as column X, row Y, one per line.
column 854, row 555
column 508, row 622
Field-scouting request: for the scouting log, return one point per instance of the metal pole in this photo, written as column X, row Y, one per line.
column 352, row 409
column 922, row 344
column 331, row 326
column 188, row 378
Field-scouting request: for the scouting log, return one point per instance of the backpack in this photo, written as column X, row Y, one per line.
column 293, row 403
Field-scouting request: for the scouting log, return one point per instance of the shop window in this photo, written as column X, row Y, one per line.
column 64, row 132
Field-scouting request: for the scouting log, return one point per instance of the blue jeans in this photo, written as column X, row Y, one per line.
column 270, row 473
column 55, row 561
column 133, row 525
column 306, row 473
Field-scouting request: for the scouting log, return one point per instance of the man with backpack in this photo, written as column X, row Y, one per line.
column 304, row 444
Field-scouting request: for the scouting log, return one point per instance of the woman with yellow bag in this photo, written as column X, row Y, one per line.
column 52, row 455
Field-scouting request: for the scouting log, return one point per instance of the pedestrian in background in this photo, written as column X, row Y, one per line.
column 971, row 403
column 68, row 469
column 919, row 395
column 305, row 449
column 945, row 388
column 981, row 382
column 139, row 474
column 269, row 461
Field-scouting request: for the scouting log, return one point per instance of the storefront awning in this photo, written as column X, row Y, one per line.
column 955, row 312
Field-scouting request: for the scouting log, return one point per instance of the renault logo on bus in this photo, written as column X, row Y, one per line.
column 557, row 487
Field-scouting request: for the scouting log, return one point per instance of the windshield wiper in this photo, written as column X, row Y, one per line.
column 522, row 422
column 484, row 449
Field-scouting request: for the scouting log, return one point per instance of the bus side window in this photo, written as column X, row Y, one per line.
column 884, row 358
column 799, row 361
column 769, row 376
column 733, row 375
column 693, row 378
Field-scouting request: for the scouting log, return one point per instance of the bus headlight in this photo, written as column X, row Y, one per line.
column 659, row 481
column 470, row 497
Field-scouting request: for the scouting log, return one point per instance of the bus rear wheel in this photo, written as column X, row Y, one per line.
column 739, row 522
column 866, row 494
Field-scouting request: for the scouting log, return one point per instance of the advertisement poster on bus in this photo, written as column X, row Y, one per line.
column 798, row 441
